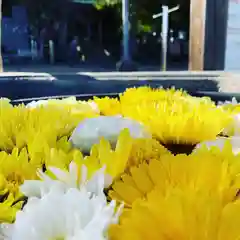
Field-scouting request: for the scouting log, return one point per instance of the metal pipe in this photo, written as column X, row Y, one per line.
column 169, row 11
column 165, row 14
column 51, row 52
column 32, row 48
column 125, row 26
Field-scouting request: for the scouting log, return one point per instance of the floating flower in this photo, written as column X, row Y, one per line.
column 114, row 161
column 33, row 128
column 67, row 160
column 71, row 102
column 127, row 152
column 136, row 96
column 75, row 177
column 180, row 214
column 63, row 215
column 212, row 170
column 91, row 130
column 178, row 120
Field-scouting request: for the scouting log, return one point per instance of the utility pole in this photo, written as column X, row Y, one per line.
column 126, row 63
column 164, row 34
column 125, row 25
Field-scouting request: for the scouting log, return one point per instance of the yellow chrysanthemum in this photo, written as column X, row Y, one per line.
column 21, row 126
column 116, row 159
column 108, row 106
column 179, row 121
column 179, row 215
column 212, row 170
column 102, row 154
column 136, row 96
column 145, row 150
column 8, row 209
column 60, row 155
column 15, row 168
column 61, row 123
column 128, row 152
column 40, row 129
column 66, row 103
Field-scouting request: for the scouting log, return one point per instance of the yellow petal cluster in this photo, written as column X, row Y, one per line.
column 211, row 170
column 136, row 96
column 171, row 115
column 8, row 209
column 167, row 195
column 179, row 121
column 145, row 150
column 15, row 168
column 21, row 126
column 32, row 138
column 102, row 154
column 181, row 197
column 179, row 215
column 108, row 106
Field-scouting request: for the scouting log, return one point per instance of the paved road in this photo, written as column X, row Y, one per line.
column 85, row 68
column 85, row 81
column 100, row 83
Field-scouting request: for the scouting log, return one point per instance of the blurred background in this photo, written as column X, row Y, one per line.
column 89, row 33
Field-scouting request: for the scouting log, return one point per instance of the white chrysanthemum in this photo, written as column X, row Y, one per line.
column 234, row 128
column 70, row 101
column 220, row 143
column 90, row 130
column 71, row 215
column 233, row 102
column 64, row 180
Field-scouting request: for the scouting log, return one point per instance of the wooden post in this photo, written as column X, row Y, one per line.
column 208, row 28
column 197, row 34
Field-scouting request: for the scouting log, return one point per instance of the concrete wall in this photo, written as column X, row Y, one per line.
column 15, row 30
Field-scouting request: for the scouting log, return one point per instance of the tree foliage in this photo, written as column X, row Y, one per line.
column 142, row 10
column 100, row 4
column 44, row 9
